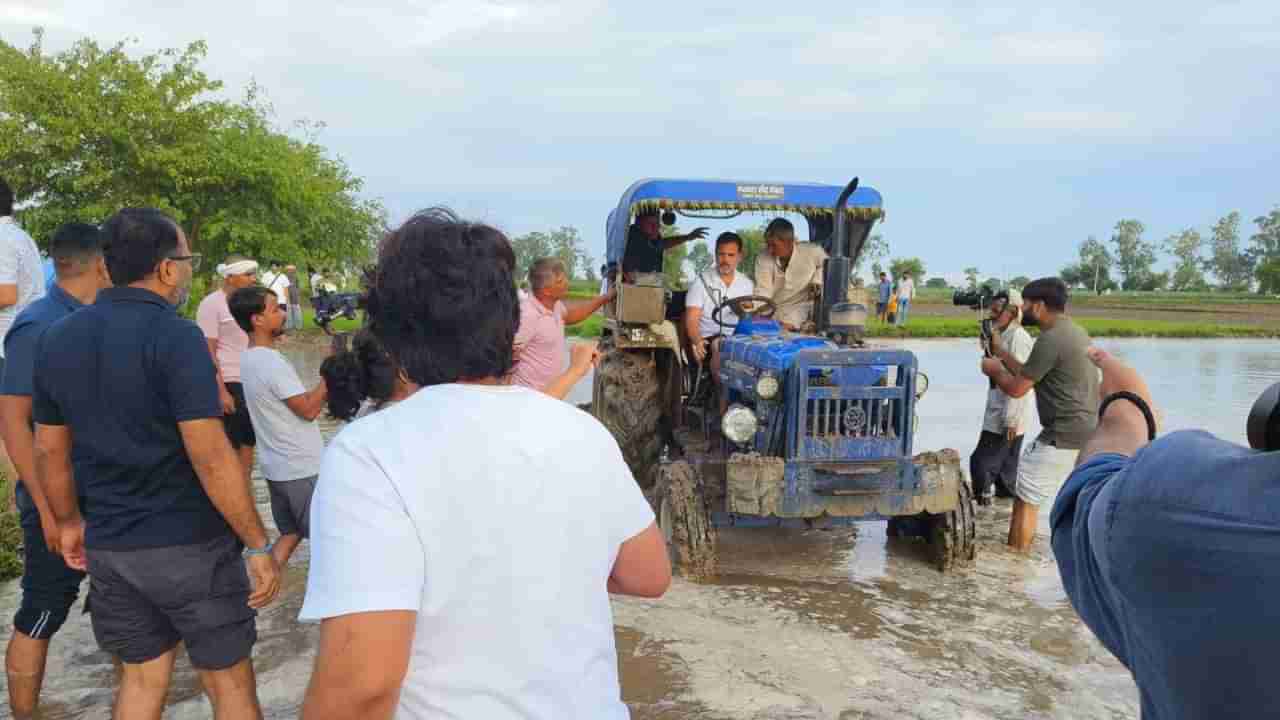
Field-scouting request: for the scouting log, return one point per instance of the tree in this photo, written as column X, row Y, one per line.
column 1019, row 282
column 1188, row 273
column 88, row 131
column 913, row 265
column 752, row 246
column 528, row 248
column 1266, row 251
column 673, row 260
column 1134, row 256
column 936, row 283
column 1095, row 265
column 700, row 257
column 875, row 251
column 1231, row 264
column 971, row 277
column 566, row 245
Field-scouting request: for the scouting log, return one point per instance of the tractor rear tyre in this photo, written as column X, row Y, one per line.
column 684, row 519
column 626, row 398
column 952, row 536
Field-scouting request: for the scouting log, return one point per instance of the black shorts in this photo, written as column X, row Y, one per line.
column 239, row 426
column 291, row 505
column 146, row 601
column 49, row 587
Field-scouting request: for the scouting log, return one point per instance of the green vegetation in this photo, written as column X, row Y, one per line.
column 950, row 327
column 10, row 535
column 89, row 130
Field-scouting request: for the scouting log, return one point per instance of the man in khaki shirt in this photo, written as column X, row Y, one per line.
column 788, row 272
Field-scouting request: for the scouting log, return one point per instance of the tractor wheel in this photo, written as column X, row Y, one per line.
column 626, row 398
column 952, row 535
column 907, row 526
column 684, row 520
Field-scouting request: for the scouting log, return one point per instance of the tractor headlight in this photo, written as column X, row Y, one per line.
column 922, row 384
column 767, row 387
column 739, row 424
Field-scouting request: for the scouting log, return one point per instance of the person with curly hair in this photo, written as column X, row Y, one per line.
column 464, row 540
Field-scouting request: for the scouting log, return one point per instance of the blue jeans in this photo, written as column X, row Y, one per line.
column 903, row 305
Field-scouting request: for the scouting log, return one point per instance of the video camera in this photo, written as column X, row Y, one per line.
column 979, row 300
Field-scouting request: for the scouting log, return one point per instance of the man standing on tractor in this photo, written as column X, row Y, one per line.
column 706, row 293
column 646, row 246
column 790, row 273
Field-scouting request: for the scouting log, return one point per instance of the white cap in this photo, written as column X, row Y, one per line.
column 1015, row 297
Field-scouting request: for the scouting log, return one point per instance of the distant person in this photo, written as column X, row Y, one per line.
column 49, row 586
column 790, row 273
column 283, row 413
column 1169, row 550
column 128, row 389
column 277, row 281
column 885, row 289
column 293, row 311
column 540, row 354
column 1066, row 386
column 993, row 466
column 21, row 275
column 226, row 343
column 706, row 293
column 906, row 293
column 452, row 580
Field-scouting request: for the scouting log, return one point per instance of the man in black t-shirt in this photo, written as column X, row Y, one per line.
column 646, row 246
column 125, row 391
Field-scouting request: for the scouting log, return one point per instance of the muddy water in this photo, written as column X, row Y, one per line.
column 814, row 624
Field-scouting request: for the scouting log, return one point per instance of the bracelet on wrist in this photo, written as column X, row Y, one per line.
column 1138, row 402
column 251, row 552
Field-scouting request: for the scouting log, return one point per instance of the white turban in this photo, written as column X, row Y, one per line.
column 239, row 267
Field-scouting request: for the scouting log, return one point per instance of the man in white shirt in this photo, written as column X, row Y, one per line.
column 283, row 414
column 993, row 467
column 464, row 540
column 706, row 293
column 906, row 293
column 790, row 273
column 277, row 281
column 21, row 270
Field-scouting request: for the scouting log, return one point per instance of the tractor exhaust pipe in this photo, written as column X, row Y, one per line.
column 839, row 266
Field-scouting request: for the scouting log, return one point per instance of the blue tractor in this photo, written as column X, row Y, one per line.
column 818, row 425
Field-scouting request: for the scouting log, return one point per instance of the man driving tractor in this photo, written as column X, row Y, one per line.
column 790, row 273
column 706, row 293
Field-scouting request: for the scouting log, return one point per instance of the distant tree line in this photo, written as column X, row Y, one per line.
column 1221, row 261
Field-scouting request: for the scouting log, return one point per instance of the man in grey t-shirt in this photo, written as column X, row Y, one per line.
column 1066, row 384
column 283, row 414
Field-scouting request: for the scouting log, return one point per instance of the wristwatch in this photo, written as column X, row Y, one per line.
column 250, row 552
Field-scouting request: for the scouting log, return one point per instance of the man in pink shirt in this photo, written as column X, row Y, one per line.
column 226, row 342
column 540, row 345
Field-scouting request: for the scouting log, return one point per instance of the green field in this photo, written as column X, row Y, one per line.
column 10, row 534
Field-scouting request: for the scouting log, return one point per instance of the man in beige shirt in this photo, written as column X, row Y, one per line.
column 788, row 272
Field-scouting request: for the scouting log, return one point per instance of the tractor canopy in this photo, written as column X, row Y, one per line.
column 729, row 198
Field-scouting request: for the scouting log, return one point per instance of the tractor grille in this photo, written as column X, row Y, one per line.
column 860, row 418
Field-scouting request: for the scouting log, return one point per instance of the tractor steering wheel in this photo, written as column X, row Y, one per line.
column 739, row 307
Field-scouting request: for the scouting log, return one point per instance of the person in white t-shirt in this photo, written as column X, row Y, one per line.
column 906, row 293
column 464, row 540
column 706, row 293
column 283, row 414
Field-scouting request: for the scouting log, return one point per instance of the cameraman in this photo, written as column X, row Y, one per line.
column 1168, row 549
column 994, row 463
column 1066, row 386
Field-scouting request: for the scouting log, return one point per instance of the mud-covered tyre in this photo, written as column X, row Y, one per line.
column 626, row 398
column 907, row 526
column 684, row 519
column 952, row 536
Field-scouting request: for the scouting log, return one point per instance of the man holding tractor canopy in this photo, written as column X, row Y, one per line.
column 789, row 272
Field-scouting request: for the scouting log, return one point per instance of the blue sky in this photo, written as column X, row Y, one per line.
column 1000, row 136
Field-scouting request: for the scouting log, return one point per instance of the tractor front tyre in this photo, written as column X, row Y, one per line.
column 684, row 519
column 626, row 398
column 952, row 536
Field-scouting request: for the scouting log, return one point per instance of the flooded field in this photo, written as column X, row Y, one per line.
column 838, row 624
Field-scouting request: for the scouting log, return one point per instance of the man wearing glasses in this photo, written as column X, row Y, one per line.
column 125, row 391
column 226, row 343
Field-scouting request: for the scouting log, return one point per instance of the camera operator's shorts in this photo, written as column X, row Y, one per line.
column 1042, row 471
column 239, row 426
column 146, row 601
